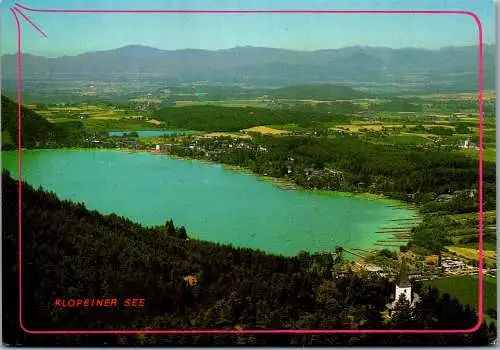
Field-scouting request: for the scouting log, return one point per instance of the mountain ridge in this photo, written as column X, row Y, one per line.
column 261, row 66
column 148, row 47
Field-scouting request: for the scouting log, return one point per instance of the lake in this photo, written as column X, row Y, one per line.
column 148, row 133
column 212, row 202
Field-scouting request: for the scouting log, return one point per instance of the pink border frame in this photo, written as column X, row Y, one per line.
column 15, row 10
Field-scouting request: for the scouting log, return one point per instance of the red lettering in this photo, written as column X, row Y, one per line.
column 111, row 302
column 134, row 302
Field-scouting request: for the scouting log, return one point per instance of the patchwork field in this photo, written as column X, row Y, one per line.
column 473, row 254
column 228, row 134
column 81, row 112
column 98, row 118
column 359, row 127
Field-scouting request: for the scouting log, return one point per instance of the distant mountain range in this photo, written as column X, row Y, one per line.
column 451, row 67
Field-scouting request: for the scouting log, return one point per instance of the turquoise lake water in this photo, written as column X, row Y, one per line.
column 213, row 203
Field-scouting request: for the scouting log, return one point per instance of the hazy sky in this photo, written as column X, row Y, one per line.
column 71, row 34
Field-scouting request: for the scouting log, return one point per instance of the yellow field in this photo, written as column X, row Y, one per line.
column 470, row 253
column 357, row 126
column 266, row 130
column 110, row 113
column 59, row 120
column 487, row 95
column 425, row 136
column 227, row 134
column 372, row 127
column 154, row 121
column 440, row 126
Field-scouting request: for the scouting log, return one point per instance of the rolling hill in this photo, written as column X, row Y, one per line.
column 34, row 127
column 36, row 130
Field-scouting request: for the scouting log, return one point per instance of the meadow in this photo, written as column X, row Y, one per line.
column 99, row 118
column 466, row 288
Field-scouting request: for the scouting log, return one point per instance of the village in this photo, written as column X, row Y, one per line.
column 428, row 269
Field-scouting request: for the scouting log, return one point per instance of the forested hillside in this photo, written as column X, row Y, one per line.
column 71, row 252
column 34, row 127
column 36, row 131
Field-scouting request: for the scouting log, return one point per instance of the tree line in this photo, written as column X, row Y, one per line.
column 347, row 163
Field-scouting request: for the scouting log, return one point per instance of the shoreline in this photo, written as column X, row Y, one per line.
column 287, row 184
column 282, row 184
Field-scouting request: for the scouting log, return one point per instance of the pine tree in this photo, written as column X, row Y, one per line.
column 170, row 227
column 181, row 233
column 403, row 316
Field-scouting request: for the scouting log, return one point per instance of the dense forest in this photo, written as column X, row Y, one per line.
column 328, row 92
column 217, row 118
column 397, row 104
column 71, row 252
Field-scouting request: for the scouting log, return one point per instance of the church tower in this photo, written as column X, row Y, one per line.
column 403, row 286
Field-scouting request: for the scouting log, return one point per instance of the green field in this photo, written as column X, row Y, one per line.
column 465, row 289
column 489, row 154
column 406, row 139
column 486, row 245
